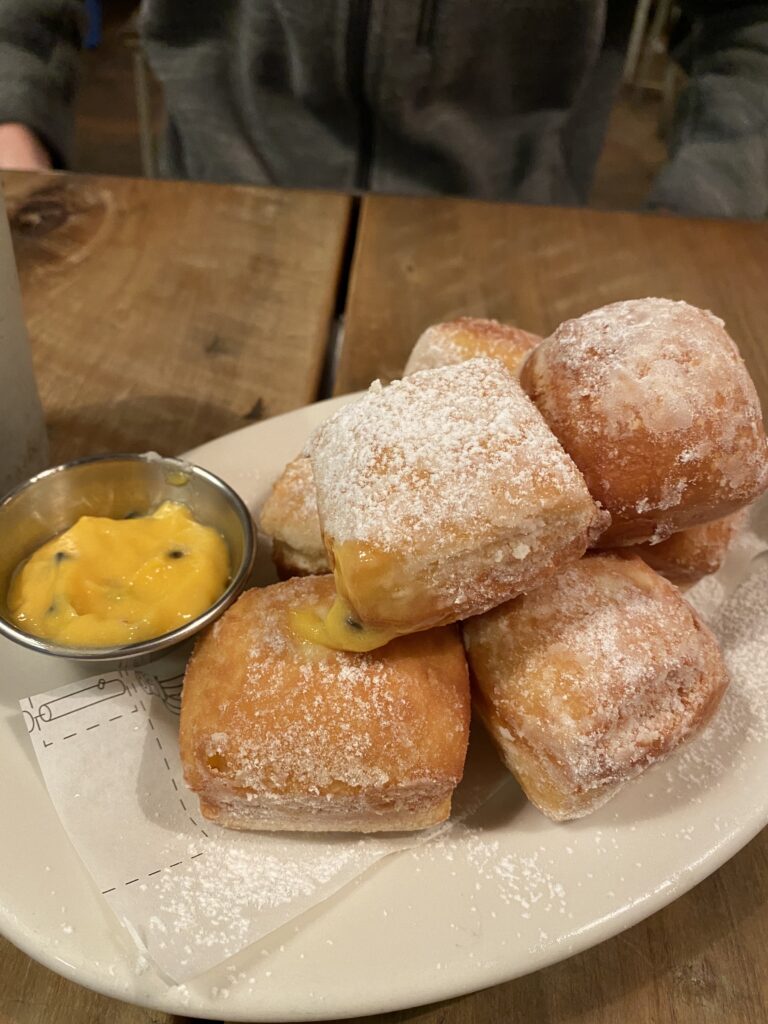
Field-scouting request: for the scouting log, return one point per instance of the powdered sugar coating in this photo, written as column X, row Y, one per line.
column 439, row 452
column 290, row 511
column 289, row 516
column 591, row 678
column 451, row 485
column 455, row 341
column 688, row 555
column 276, row 730
column 654, row 356
column 653, row 402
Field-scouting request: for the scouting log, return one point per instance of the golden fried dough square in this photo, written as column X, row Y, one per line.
column 445, row 494
column 590, row 679
column 467, row 337
column 654, row 404
column 281, row 734
column 289, row 517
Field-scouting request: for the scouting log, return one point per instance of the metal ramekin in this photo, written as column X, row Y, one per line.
column 117, row 486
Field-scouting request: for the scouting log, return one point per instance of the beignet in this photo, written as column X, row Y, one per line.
column 445, row 494
column 280, row 734
column 591, row 678
column 689, row 555
column 289, row 517
column 654, row 404
column 467, row 337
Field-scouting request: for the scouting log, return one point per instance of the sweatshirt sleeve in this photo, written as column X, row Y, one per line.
column 718, row 162
column 39, row 57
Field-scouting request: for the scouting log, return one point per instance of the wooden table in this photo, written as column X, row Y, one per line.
column 163, row 314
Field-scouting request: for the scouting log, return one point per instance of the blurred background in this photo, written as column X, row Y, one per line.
column 119, row 114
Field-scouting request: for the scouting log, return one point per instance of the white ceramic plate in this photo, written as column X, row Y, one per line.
column 509, row 894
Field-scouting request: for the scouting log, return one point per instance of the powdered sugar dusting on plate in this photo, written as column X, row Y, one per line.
column 232, row 894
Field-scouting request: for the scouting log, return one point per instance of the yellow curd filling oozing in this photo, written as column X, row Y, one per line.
column 338, row 628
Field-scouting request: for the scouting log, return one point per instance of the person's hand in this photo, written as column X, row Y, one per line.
column 21, row 150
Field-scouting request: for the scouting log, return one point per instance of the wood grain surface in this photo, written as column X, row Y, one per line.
column 163, row 314
column 419, row 261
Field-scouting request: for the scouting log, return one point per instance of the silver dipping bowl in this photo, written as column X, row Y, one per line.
column 117, row 486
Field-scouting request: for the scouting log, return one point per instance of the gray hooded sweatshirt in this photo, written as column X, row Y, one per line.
column 497, row 99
